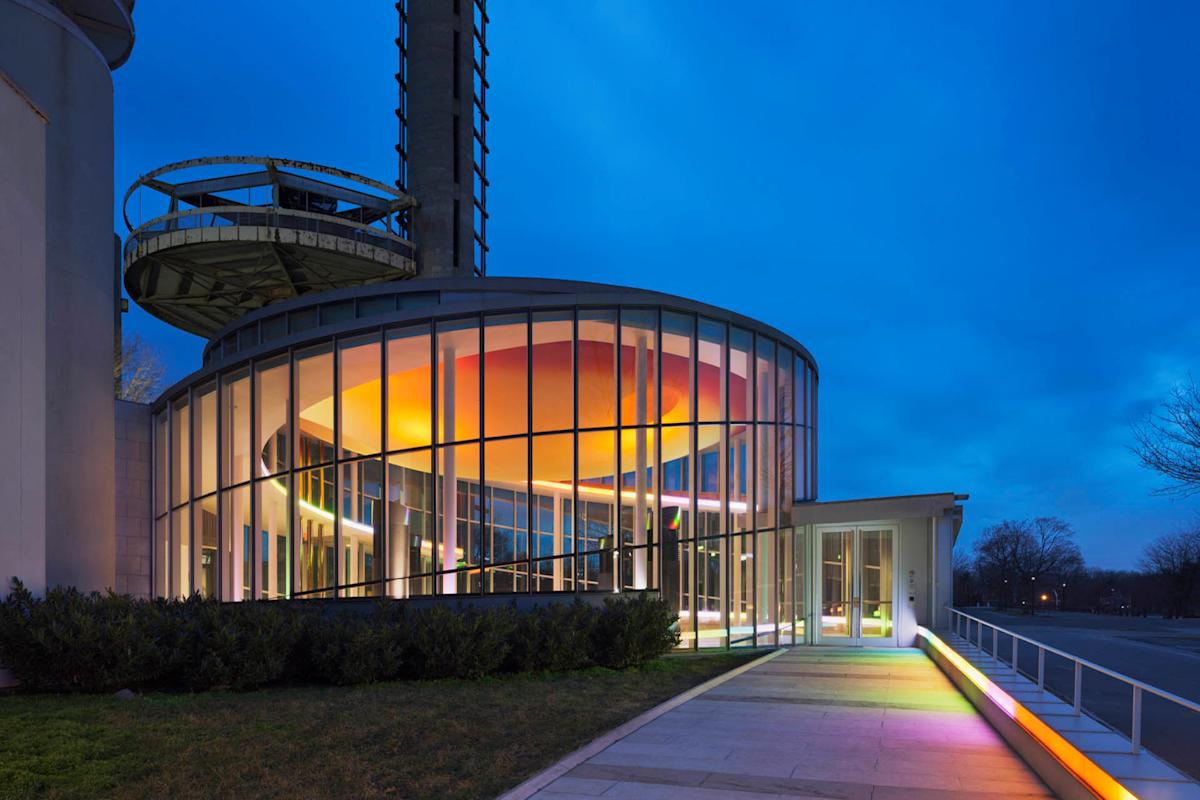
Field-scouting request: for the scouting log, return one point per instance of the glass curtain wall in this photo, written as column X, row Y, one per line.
column 573, row 450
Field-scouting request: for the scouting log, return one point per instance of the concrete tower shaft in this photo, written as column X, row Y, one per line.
column 442, row 144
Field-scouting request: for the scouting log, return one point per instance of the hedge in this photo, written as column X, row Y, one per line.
column 70, row 641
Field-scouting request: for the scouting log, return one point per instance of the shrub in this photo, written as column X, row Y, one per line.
column 69, row 641
column 632, row 631
column 234, row 645
column 553, row 638
column 348, row 649
column 445, row 643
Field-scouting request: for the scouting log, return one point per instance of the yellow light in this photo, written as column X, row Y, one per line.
column 1045, row 597
column 1083, row 768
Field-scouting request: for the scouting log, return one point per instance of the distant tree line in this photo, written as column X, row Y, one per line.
column 1035, row 564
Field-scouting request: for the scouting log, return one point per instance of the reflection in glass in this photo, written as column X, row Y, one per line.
column 204, row 431
column 315, row 535
column 162, row 558
column 677, row 373
column 505, row 535
column 765, row 378
column 271, row 416
column 235, row 544
column 597, row 378
column 506, row 370
column 204, row 527
column 710, row 465
column 710, row 591
column 876, row 584
column 837, row 582
column 180, row 453
column 458, row 380
column 710, row 373
column 359, row 387
column 553, row 382
column 459, row 519
column 181, row 550
column 409, row 391
column 411, row 537
column 766, row 498
column 161, row 467
column 799, row 559
column 552, row 543
column 638, row 366
column 741, row 387
column 314, row 406
column 637, row 508
column 595, row 514
column 784, row 564
column 273, row 540
column 766, row 571
column 360, row 526
column 741, row 611
column 235, row 428
column 740, row 477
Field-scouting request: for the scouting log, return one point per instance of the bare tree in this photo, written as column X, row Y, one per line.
column 137, row 371
column 1175, row 559
column 1168, row 440
column 1016, row 559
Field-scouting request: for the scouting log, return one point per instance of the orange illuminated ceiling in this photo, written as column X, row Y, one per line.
column 506, row 407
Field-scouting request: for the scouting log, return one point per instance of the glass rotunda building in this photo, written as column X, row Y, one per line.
column 494, row 436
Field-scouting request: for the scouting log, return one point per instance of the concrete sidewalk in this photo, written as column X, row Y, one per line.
column 814, row 722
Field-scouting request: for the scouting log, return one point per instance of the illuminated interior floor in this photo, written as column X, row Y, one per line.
column 815, row 722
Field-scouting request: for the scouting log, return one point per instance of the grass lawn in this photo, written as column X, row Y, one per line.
column 412, row 739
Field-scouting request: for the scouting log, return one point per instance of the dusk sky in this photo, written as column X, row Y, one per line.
column 981, row 219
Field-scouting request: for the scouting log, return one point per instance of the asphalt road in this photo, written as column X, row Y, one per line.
column 1162, row 653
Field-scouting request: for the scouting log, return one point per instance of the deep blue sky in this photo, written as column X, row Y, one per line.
column 980, row 218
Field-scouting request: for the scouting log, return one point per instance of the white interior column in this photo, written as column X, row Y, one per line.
column 449, row 474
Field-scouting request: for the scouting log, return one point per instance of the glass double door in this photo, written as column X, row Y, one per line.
column 857, row 584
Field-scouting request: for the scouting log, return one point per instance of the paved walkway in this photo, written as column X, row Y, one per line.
column 814, row 722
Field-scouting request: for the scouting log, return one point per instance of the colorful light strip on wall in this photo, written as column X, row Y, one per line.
column 1083, row 768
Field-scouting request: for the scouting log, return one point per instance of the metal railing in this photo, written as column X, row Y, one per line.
column 961, row 626
column 266, row 217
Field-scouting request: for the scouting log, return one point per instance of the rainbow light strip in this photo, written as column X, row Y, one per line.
column 1073, row 760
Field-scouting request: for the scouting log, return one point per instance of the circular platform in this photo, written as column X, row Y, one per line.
column 236, row 233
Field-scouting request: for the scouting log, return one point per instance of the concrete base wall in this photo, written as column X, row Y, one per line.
column 133, row 475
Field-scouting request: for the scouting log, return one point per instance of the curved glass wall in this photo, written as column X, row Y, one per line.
column 574, row 450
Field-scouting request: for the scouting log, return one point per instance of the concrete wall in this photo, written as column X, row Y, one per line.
column 63, row 74
column 913, row 579
column 133, row 475
column 22, row 342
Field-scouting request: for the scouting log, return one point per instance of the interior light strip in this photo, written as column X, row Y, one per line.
column 1083, row 768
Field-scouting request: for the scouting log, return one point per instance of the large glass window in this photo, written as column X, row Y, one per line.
column 638, row 366
column 597, row 374
column 741, row 385
column 765, row 379
column 553, row 367
column 552, row 542
column 409, row 388
column 204, row 430
column 459, row 519
column 411, row 538
column 180, row 453
column 360, row 526
column 637, row 508
column 741, row 578
column 271, row 397
column 204, row 527
column 505, row 535
column 314, row 406
column 359, row 387
column 235, row 428
column 595, row 513
column 740, row 477
column 711, row 568
column 181, row 553
column 458, row 380
column 316, row 554
column 505, row 377
column 710, row 373
column 711, row 458
column 236, row 544
column 272, row 546
column 677, row 368
column 766, row 475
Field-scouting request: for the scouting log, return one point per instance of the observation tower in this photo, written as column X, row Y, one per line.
column 217, row 237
